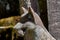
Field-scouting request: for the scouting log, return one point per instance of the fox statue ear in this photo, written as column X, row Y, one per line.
column 25, row 12
column 29, row 10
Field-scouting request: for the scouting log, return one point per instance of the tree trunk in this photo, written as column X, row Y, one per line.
column 54, row 17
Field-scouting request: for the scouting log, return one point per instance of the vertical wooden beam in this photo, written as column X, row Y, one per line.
column 54, row 17
column 22, row 3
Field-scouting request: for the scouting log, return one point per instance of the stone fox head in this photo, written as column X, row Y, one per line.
column 31, row 31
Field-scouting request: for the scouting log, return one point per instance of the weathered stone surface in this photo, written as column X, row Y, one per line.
column 53, row 7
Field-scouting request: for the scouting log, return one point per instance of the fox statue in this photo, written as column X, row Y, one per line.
column 33, row 31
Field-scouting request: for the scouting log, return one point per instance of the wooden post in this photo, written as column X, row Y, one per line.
column 22, row 3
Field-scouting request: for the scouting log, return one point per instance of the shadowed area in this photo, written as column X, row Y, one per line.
column 9, row 8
